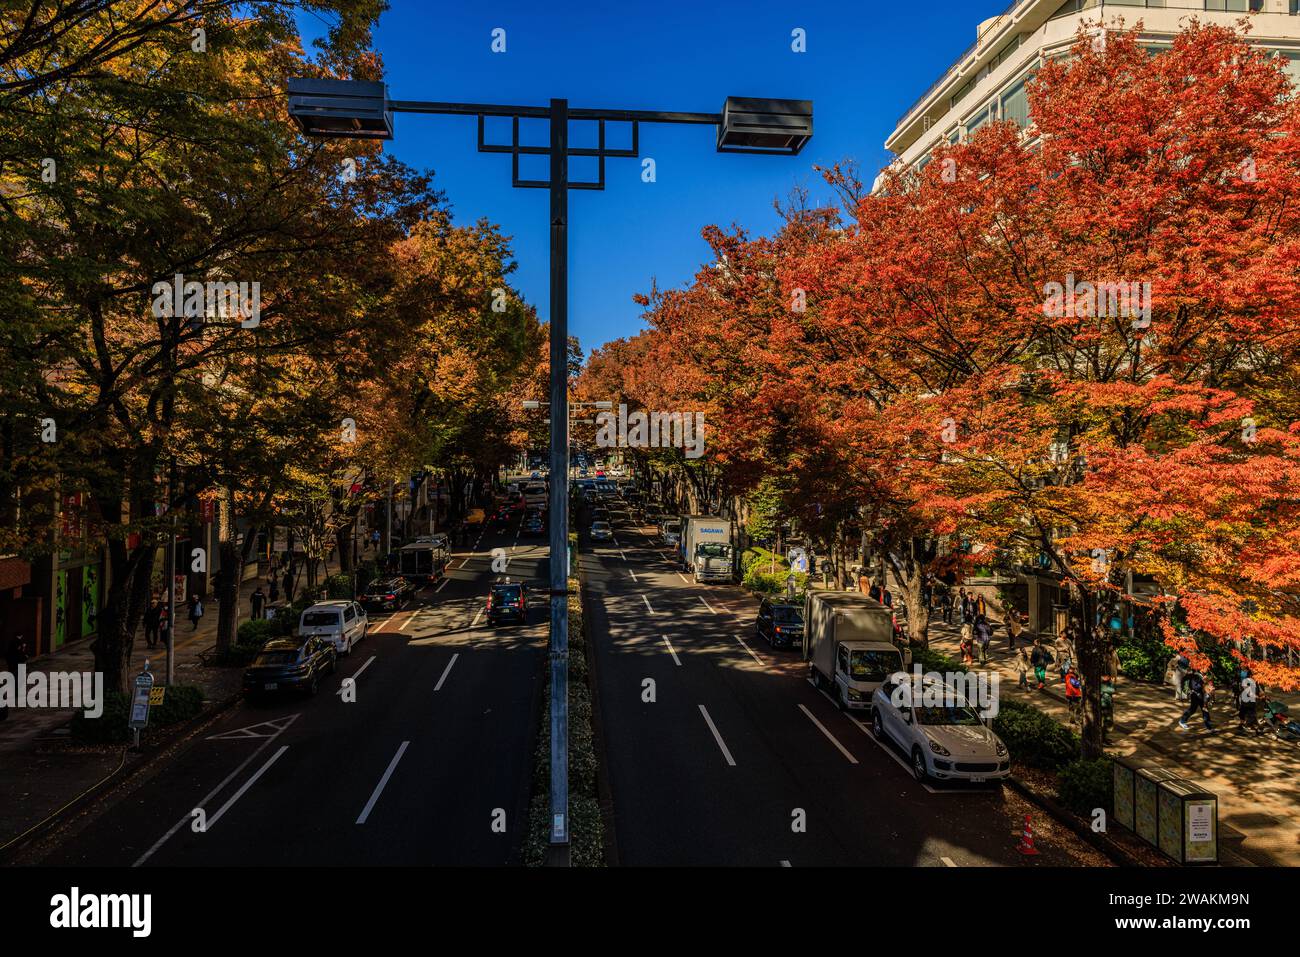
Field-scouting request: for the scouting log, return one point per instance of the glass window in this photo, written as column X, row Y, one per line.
column 348, row 613
column 1292, row 63
column 976, row 121
column 1235, row 6
column 320, row 619
column 1015, row 105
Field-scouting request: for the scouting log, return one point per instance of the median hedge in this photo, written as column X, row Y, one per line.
column 181, row 703
column 586, row 825
column 1084, row 784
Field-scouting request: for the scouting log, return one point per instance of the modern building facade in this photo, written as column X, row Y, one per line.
column 988, row 81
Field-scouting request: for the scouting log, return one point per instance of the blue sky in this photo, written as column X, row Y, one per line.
column 864, row 66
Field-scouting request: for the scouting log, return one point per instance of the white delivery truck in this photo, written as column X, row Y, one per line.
column 706, row 548
column 848, row 644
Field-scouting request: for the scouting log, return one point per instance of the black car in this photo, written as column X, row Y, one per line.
column 386, row 595
column 780, row 623
column 534, row 524
column 290, row 664
column 507, row 601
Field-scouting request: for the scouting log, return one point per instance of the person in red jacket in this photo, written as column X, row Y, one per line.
column 1074, row 694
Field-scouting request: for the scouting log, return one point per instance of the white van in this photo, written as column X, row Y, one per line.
column 343, row 623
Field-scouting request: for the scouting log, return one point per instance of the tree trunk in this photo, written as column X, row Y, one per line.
column 1088, row 649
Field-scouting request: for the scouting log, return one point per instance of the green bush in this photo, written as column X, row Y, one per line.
column 110, row 727
column 256, row 631
column 1085, row 784
column 181, row 703
column 1033, row 737
column 931, row 660
column 1143, row 659
column 338, row 586
column 759, row 578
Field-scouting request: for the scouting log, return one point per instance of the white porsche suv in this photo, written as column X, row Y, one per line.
column 944, row 737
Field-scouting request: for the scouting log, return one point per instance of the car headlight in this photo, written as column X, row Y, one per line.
column 1002, row 749
column 938, row 748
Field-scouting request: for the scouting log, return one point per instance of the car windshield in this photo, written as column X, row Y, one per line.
column 787, row 614
column 510, row 593
column 713, row 550
column 959, row 714
column 600, row 526
column 320, row 619
column 275, row 659
column 868, row 665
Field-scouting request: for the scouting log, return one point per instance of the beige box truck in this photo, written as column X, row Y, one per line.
column 848, row 644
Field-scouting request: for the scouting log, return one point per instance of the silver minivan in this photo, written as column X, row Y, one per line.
column 340, row 622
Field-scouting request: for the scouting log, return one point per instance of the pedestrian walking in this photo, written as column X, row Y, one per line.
column 1022, row 669
column 967, row 643
column 152, row 616
column 288, row 585
column 1040, row 659
column 1073, row 694
column 1246, row 698
column 983, row 635
column 963, row 605
column 196, row 612
column 979, row 606
column 1177, row 672
column 274, row 585
column 1195, row 687
column 257, row 601
column 1013, row 628
column 1064, row 653
column 1107, row 692
column 165, row 628
column 945, row 604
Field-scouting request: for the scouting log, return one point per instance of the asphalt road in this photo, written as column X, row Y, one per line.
column 739, row 759
column 430, row 765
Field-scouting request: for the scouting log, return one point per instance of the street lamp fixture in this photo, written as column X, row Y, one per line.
column 752, row 125
column 353, row 109
column 362, row 110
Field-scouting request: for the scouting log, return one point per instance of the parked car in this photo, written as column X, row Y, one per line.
column 781, row 623
column 943, row 735
column 671, row 532
column 601, row 532
column 385, row 594
column 534, row 524
column 290, row 664
column 507, row 601
column 342, row 623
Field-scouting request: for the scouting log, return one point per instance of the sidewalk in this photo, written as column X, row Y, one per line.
column 42, row 769
column 1257, row 779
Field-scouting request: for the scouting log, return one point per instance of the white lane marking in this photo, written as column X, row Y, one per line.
column 247, row 784
column 676, row 660
column 830, row 737
column 477, row 616
column 383, row 782
column 465, row 562
column 415, row 613
column 707, row 605
column 683, row 578
column 446, row 671
column 717, row 737
column 883, row 745
column 189, row 817
column 948, row 861
column 785, row 863
column 442, row 584
column 623, row 553
column 647, row 603
column 355, row 675
column 633, row 574
column 760, row 661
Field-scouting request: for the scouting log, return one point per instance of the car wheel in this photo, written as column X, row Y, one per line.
column 877, row 726
column 314, row 686
column 842, row 699
column 816, row 677
column 334, row 664
column 918, row 765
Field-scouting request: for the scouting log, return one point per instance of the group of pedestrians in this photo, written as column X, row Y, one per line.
column 157, row 620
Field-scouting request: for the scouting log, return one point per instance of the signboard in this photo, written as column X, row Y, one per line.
column 207, row 511
column 140, row 701
column 1202, row 842
column 798, row 559
column 157, row 696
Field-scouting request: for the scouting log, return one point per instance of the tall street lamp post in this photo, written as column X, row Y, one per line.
column 356, row 109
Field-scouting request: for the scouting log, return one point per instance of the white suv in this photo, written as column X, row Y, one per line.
column 343, row 623
column 944, row 737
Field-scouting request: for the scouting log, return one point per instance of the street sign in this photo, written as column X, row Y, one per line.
column 141, row 700
column 157, row 696
column 798, row 559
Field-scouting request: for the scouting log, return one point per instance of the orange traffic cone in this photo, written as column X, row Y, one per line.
column 1026, row 845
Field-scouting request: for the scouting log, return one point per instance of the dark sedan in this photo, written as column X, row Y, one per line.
column 780, row 623
column 290, row 664
column 534, row 524
column 507, row 601
column 386, row 595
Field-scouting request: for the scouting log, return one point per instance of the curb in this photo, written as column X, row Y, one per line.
column 603, row 790
column 1063, row 815
column 110, row 784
